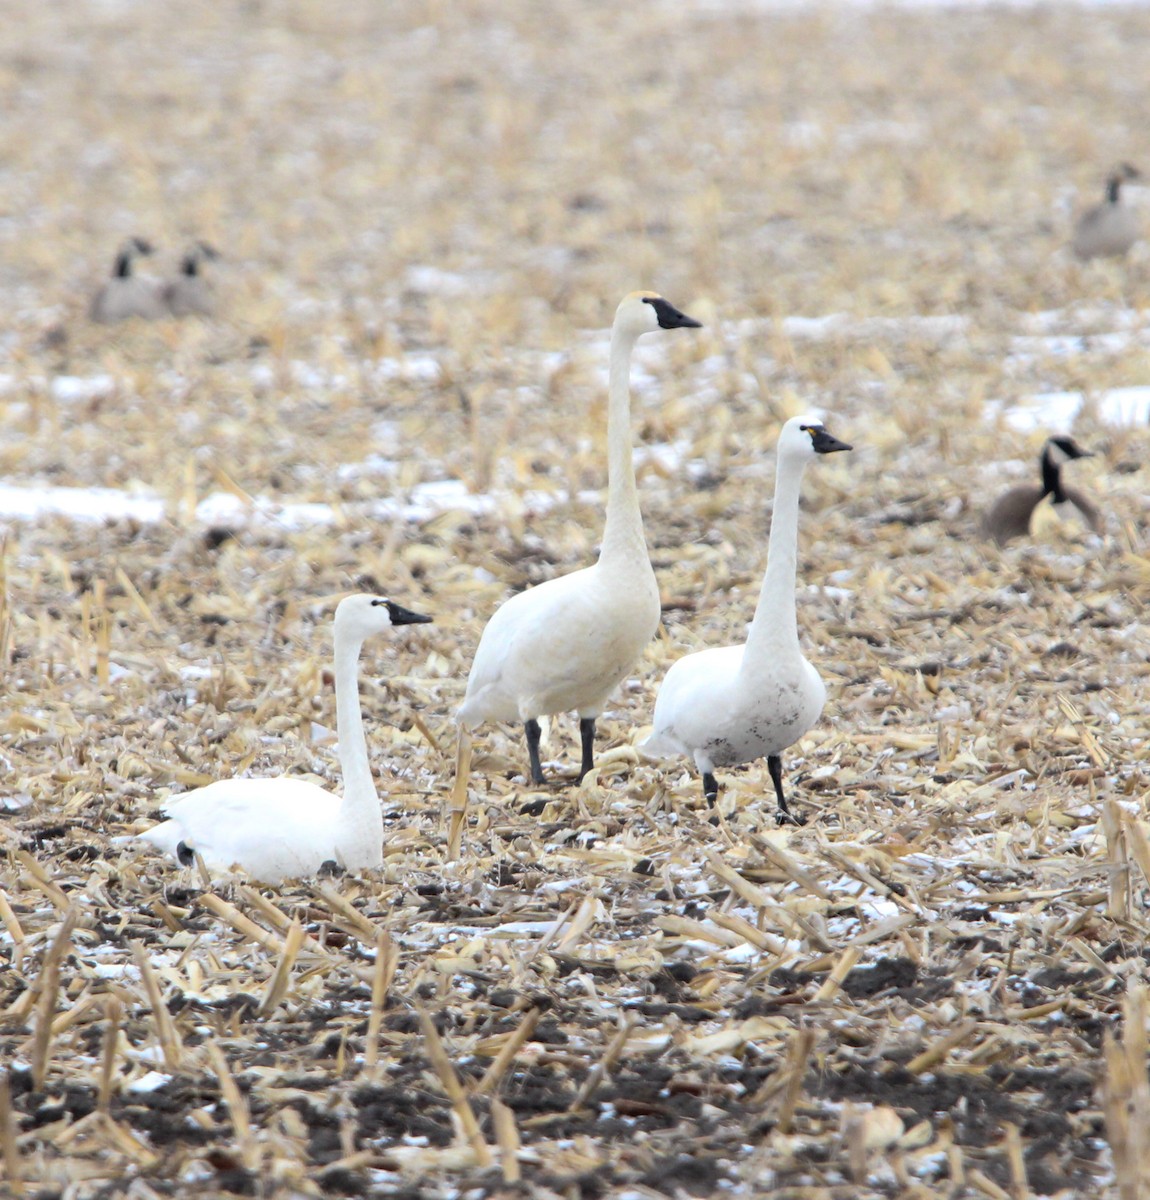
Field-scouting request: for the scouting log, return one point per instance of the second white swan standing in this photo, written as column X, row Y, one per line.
column 568, row 643
column 282, row 828
column 735, row 704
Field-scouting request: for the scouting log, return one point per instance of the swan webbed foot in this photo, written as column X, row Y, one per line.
column 783, row 816
column 185, row 855
column 330, row 869
column 534, row 733
column 710, row 788
column 587, row 737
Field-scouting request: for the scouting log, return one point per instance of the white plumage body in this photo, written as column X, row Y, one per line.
column 735, row 704
column 566, row 644
column 562, row 646
column 274, row 829
column 282, row 828
column 711, row 712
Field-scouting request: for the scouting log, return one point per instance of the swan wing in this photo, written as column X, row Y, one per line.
column 562, row 645
column 697, row 695
column 271, row 828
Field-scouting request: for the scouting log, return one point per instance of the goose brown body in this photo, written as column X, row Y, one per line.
column 1109, row 229
column 1011, row 514
column 126, row 294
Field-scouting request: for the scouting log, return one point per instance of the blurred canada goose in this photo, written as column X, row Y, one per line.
column 1010, row 515
column 1108, row 229
column 126, row 295
column 190, row 294
column 734, row 704
column 282, row 828
column 568, row 643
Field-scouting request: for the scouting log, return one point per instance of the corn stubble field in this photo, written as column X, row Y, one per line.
column 428, row 214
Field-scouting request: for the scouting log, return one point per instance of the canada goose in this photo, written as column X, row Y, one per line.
column 567, row 643
column 1108, row 229
column 733, row 704
column 126, row 295
column 1010, row 515
column 283, row 827
column 190, row 294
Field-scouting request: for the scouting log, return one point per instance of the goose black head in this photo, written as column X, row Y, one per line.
column 1064, row 449
column 198, row 253
column 128, row 251
column 1120, row 175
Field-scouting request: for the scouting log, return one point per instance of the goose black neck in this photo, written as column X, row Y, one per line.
column 1052, row 478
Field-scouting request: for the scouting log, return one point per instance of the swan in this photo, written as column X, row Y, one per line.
column 567, row 643
column 190, row 294
column 1009, row 516
column 283, row 827
column 124, row 294
column 733, row 704
column 1108, row 229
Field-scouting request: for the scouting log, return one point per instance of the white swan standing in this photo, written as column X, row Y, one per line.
column 281, row 828
column 567, row 644
column 734, row 704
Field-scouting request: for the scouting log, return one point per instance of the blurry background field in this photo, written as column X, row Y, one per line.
column 428, row 213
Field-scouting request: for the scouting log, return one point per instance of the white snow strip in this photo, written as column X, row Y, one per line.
column 1057, row 412
column 152, row 1081
column 79, row 504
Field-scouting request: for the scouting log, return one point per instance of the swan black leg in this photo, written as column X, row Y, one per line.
column 710, row 788
column 784, row 815
column 587, row 736
column 533, row 735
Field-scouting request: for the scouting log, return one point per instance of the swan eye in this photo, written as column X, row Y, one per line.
column 377, row 602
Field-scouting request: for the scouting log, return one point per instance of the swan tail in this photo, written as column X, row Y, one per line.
column 658, row 745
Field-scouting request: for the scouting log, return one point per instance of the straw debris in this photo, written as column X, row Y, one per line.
column 426, row 215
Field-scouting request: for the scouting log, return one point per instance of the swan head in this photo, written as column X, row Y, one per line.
column 644, row 312
column 805, row 437
column 363, row 614
column 1059, row 450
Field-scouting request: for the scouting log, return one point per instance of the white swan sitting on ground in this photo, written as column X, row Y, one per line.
column 735, row 704
column 568, row 643
column 282, row 828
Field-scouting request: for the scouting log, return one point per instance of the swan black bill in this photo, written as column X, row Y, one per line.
column 669, row 316
column 826, row 443
column 404, row 616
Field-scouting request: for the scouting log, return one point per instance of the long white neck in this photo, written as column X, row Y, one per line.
column 360, row 833
column 774, row 630
column 623, row 539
